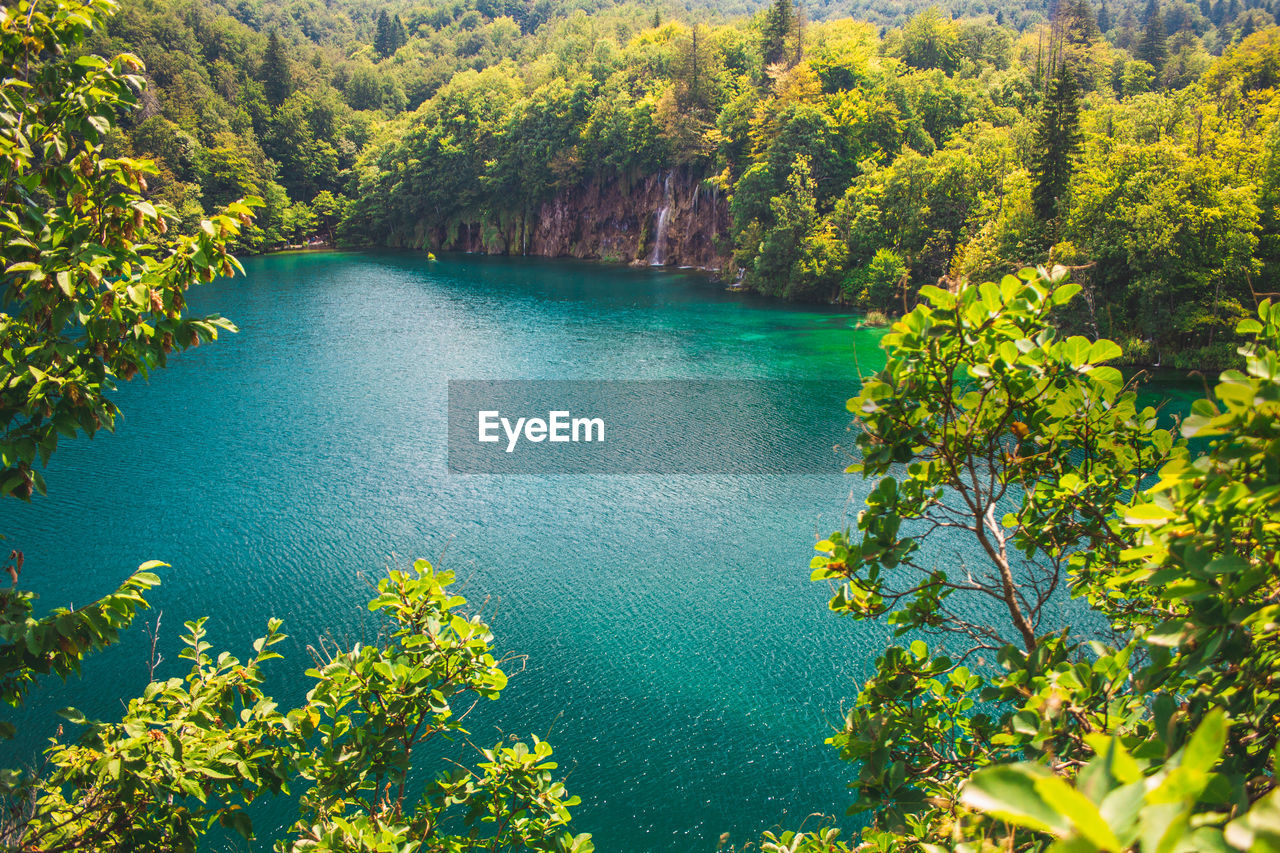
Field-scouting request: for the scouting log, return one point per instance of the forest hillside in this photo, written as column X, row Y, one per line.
column 794, row 150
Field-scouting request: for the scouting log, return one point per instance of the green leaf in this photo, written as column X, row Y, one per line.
column 1205, row 747
column 1147, row 515
column 238, row 820
column 1009, row 792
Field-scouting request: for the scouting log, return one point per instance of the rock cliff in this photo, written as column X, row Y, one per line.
column 667, row 219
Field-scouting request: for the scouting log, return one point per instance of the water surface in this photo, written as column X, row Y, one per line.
column 676, row 655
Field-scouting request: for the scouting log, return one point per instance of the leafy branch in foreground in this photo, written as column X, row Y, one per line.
column 374, row 707
column 93, row 282
column 195, row 751
column 94, row 285
column 1144, row 721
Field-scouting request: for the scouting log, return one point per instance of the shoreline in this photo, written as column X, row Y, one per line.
column 716, row 275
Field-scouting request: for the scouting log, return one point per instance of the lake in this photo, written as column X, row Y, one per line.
column 677, row 657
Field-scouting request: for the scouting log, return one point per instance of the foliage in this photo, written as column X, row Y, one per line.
column 94, row 287
column 95, row 283
column 931, row 41
column 360, row 102
column 1057, row 141
column 780, row 28
column 1093, row 667
column 188, row 752
column 879, row 283
column 374, row 706
column 195, row 751
column 1148, row 728
column 401, row 131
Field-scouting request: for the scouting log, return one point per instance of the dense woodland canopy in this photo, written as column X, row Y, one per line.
column 1135, row 142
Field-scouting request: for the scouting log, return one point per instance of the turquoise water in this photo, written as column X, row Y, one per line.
column 678, row 659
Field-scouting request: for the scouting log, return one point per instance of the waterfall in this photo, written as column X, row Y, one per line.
column 657, row 256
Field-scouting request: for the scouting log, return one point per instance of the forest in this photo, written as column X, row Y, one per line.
column 851, row 162
column 1147, row 177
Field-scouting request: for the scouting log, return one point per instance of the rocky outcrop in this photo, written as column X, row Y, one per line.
column 668, row 219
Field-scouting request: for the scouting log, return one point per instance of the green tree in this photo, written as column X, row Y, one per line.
column 1057, row 144
column 695, row 70
column 382, row 34
column 1199, row 582
column 931, row 40
column 277, row 78
column 1148, row 732
column 389, row 35
column 1153, row 48
column 399, row 38
column 364, row 91
column 878, row 285
column 1173, row 240
column 329, row 210
column 95, row 284
column 779, row 27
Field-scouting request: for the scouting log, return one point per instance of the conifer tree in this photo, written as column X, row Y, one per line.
column 398, row 36
column 1154, row 44
column 277, row 81
column 1057, row 142
column 1104, row 17
column 382, row 39
column 779, row 21
column 691, row 66
column 1082, row 25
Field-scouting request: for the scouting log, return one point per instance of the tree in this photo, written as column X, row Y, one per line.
column 1057, row 143
column 382, row 35
column 1199, row 581
column 877, row 285
column 931, row 40
column 94, row 284
column 389, row 35
column 277, row 79
column 1174, row 243
column 398, row 35
column 329, row 210
column 88, row 298
column 1082, row 25
column 779, row 24
column 1153, row 47
column 95, row 289
column 363, row 89
column 800, row 254
column 694, row 69
column 1147, row 732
